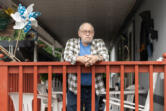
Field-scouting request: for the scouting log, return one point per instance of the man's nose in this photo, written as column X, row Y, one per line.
column 88, row 33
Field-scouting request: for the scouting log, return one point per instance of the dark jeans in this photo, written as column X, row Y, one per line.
column 85, row 100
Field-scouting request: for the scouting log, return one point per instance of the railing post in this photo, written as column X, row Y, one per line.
column 122, row 87
column 107, row 86
column 164, row 59
column 78, row 87
column 136, row 88
column 35, row 88
column 49, row 87
column 93, row 90
column 3, row 86
column 20, row 87
column 151, row 86
column 64, row 88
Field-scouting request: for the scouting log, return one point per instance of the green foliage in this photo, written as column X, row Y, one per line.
column 15, row 36
column 50, row 51
column 4, row 20
column 4, row 38
column 3, row 14
column 43, row 77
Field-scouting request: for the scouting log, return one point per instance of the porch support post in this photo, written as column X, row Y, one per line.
column 164, row 59
column 3, row 86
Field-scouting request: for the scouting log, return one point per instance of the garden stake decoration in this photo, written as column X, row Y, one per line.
column 24, row 19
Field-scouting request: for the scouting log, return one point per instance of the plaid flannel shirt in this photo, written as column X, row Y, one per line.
column 72, row 50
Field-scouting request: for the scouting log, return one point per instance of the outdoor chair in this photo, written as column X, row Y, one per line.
column 43, row 95
column 27, row 101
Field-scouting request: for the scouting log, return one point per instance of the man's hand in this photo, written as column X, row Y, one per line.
column 93, row 59
column 88, row 60
column 82, row 59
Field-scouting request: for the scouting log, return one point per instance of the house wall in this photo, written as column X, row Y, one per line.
column 157, row 8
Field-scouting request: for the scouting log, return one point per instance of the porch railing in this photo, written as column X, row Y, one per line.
column 36, row 68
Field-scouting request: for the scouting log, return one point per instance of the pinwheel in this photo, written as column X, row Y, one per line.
column 24, row 19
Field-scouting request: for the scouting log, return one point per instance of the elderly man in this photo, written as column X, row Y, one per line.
column 87, row 51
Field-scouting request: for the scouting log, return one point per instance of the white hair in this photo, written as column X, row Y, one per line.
column 84, row 24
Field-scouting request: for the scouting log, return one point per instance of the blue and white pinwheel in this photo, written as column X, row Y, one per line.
column 25, row 18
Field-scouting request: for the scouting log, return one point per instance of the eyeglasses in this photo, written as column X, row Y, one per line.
column 87, row 31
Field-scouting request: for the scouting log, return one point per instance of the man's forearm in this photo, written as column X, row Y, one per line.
column 70, row 58
column 78, row 58
column 82, row 59
column 100, row 58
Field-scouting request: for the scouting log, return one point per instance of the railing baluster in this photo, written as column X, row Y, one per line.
column 164, row 59
column 78, row 87
column 49, row 87
column 164, row 87
column 151, row 86
column 35, row 88
column 64, row 88
column 122, row 87
column 3, row 88
column 136, row 88
column 107, row 86
column 20, row 88
column 93, row 89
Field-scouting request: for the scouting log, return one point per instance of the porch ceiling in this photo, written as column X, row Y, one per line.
column 61, row 18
